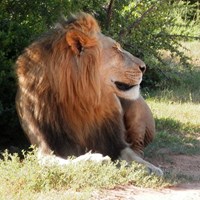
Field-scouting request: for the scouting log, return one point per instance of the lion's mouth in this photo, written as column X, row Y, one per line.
column 123, row 86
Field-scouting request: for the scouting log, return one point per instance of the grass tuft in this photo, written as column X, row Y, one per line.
column 22, row 179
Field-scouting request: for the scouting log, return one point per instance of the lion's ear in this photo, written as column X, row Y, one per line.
column 78, row 41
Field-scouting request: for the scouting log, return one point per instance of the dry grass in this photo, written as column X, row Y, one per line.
column 28, row 180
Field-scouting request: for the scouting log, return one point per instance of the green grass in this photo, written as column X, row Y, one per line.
column 178, row 128
column 176, row 116
column 27, row 179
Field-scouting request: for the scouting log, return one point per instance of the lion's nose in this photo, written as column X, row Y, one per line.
column 142, row 68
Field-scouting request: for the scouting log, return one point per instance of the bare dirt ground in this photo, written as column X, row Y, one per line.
column 181, row 192
column 178, row 165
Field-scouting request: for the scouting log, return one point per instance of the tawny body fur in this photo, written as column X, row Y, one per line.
column 139, row 124
column 70, row 82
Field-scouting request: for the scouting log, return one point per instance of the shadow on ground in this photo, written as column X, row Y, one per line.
column 174, row 137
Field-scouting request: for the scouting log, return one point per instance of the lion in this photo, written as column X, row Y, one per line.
column 71, row 84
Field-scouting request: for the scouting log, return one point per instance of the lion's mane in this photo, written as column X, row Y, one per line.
column 60, row 101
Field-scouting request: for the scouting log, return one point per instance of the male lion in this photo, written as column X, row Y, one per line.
column 70, row 82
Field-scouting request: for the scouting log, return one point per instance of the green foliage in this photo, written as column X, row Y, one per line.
column 185, row 19
column 142, row 27
column 20, row 23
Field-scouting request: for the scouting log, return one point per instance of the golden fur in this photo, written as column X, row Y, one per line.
column 139, row 123
column 70, row 82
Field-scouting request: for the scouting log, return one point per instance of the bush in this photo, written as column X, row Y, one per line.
column 20, row 23
column 143, row 27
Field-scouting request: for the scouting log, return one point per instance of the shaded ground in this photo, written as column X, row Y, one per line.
column 184, row 166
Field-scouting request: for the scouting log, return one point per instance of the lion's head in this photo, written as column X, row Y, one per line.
column 104, row 61
column 121, row 70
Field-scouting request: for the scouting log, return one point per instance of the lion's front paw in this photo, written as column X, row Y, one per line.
column 155, row 170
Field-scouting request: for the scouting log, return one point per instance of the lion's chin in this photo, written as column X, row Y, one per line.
column 132, row 94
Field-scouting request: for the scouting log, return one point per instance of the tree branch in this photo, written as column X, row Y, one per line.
column 184, row 36
column 109, row 13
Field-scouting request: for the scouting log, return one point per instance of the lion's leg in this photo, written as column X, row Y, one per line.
column 129, row 155
column 140, row 131
column 139, row 123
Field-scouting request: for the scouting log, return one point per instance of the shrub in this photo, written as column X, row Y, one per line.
column 20, row 23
